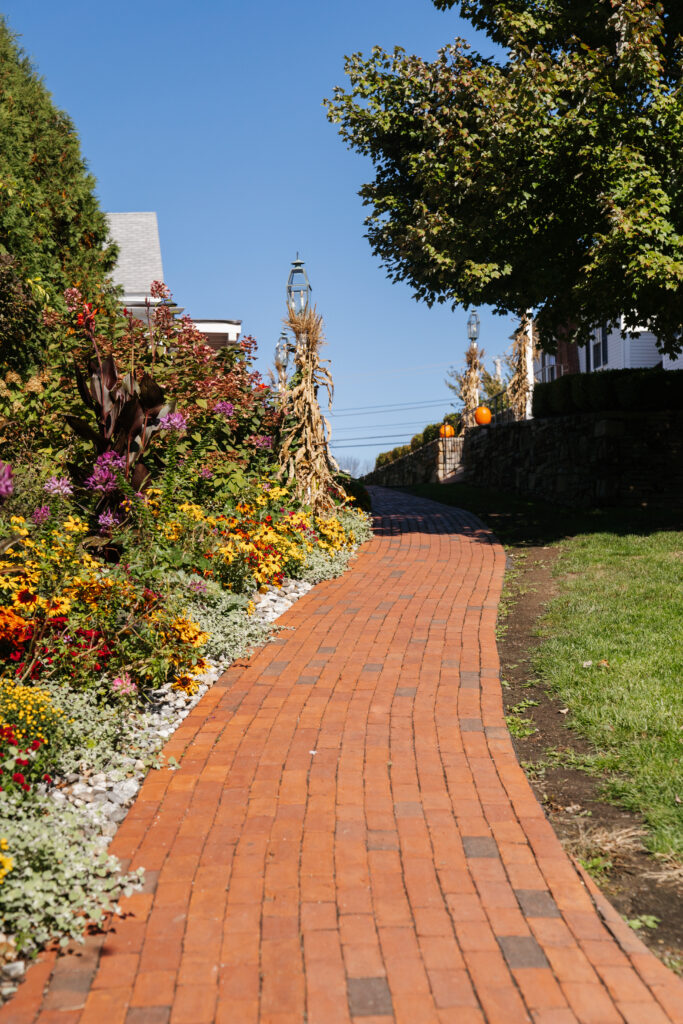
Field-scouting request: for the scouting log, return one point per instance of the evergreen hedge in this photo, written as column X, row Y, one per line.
column 639, row 390
column 53, row 234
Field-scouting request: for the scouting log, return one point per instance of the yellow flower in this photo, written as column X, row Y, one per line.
column 6, row 864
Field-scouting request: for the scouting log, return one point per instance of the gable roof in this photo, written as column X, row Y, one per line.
column 139, row 262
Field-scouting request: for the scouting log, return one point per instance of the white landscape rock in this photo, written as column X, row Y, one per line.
column 103, row 798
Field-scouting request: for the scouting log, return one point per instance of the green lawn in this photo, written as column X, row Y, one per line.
column 620, row 579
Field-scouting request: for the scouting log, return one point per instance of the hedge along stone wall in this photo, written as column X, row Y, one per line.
column 426, row 465
column 583, row 460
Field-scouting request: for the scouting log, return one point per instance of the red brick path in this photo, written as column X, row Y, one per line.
column 350, row 837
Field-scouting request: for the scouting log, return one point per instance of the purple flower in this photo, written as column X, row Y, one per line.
column 104, row 476
column 197, row 586
column 260, row 441
column 205, row 473
column 173, row 421
column 108, row 520
column 59, row 487
column 41, row 514
column 6, row 482
column 226, row 409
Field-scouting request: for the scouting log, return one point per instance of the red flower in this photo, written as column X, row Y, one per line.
column 47, row 778
column 18, row 777
column 35, row 745
column 22, row 762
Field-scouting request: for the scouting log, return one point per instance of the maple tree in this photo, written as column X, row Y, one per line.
column 548, row 177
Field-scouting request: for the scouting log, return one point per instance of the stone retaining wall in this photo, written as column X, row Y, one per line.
column 429, row 464
column 587, row 460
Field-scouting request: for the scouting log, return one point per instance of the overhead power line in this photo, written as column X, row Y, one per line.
column 361, row 409
column 368, row 444
column 369, row 426
column 341, row 443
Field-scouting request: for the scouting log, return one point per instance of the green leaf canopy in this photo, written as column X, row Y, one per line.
column 549, row 177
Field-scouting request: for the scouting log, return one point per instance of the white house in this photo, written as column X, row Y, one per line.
column 608, row 350
column 139, row 264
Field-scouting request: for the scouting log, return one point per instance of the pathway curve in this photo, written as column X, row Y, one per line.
column 350, row 837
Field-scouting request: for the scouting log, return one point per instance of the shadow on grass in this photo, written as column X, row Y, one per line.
column 523, row 522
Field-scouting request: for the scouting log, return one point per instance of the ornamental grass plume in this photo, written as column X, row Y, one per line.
column 304, row 454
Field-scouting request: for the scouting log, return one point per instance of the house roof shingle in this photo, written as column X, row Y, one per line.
column 139, row 262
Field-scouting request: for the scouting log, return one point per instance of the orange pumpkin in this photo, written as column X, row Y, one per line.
column 447, row 430
column 482, row 415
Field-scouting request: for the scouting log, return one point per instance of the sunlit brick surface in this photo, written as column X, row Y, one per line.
column 350, row 837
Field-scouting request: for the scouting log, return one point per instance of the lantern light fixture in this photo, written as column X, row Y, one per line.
column 282, row 350
column 298, row 287
column 473, row 326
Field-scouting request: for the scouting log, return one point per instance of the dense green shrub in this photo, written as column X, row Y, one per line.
column 639, row 390
column 52, row 232
column 430, row 433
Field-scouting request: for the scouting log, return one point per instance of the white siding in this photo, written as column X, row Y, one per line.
column 671, row 363
column 643, row 350
column 624, row 353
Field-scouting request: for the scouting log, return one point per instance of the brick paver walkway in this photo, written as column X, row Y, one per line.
column 350, row 837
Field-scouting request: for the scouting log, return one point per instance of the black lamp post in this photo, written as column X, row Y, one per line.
column 298, row 287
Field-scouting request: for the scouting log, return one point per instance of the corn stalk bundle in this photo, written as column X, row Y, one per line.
column 304, row 454
column 470, row 384
column 520, row 386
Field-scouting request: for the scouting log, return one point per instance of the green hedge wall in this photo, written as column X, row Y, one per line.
column 638, row 390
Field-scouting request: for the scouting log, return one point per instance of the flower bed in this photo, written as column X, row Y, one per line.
column 132, row 559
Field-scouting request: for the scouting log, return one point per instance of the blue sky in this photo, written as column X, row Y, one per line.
column 211, row 114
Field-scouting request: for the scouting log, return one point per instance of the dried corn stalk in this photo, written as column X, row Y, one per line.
column 304, row 455
column 470, row 384
column 520, row 387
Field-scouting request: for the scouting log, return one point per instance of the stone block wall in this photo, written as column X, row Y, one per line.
column 583, row 461
column 426, row 465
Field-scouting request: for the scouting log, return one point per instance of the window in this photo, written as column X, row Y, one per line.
column 600, row 351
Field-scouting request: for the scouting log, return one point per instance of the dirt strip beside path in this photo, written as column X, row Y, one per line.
column 349, row 837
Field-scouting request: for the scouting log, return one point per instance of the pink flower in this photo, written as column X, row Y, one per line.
column 108, row 520
column 158, row 290
column 226, row 409
column 123, row 685
column 59, row 486
column 104, row 476
column 260, row 441
column 173, row 421
column 6, row 482
column 73, row 299
column 41, row 514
